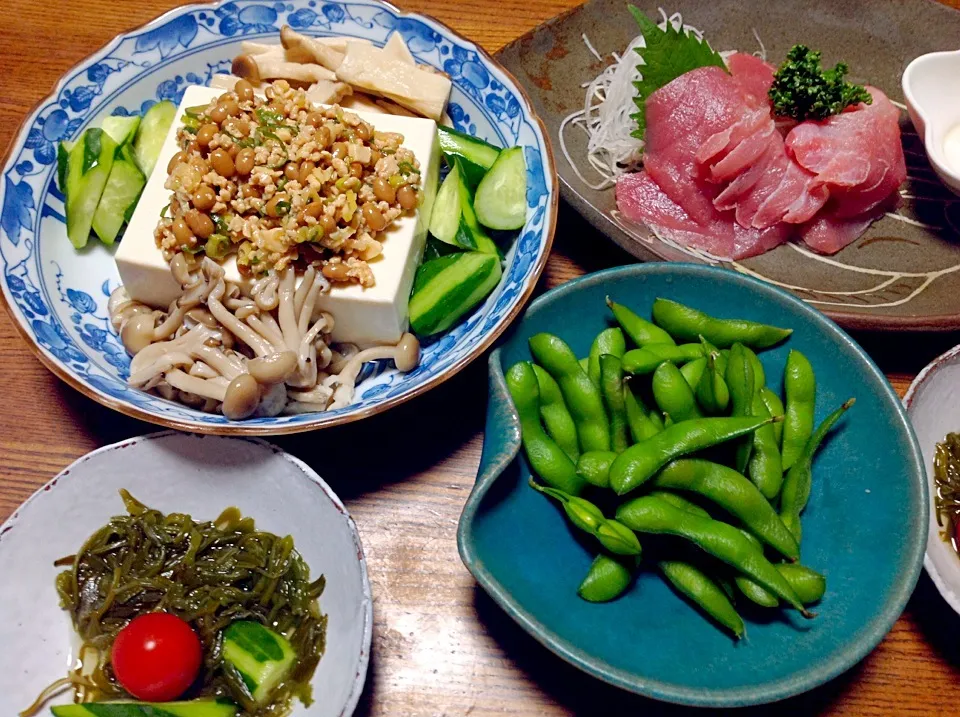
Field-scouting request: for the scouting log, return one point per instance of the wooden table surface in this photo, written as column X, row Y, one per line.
column 441, row 646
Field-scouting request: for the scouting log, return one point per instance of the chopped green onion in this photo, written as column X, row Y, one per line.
column 395, row 181
column 217, row 246
column 283, row 207
column 163, row 212
column 195, row 111
column 407, row 168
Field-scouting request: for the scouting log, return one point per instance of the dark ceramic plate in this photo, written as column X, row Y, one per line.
column 519, row 548
column 903, row 273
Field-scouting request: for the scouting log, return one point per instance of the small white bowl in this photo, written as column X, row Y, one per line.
column 196, row 475
column 931, row 86
column 933, row 405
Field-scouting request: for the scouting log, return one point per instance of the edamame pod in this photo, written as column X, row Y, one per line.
column 546, row 458
column 640, row 331
column 614, row 536
column 678, row 501
column 775, row 406
column 556, row 418
column 608, row 341
column 673, row 395
column 580, row 394
column 764, row 467
column 753, row 592
column 706, row 594
column 693, row 371
column 799, row 479
column 712, row 392
column 611, row 386
column 641, row 461
column 735, row 494
column 647, row 359
column 688, row 324
column 641, row 425
column 800, row 388
column 740, row 381
column 594, row 467
column 648, row 514
column 759, row 375
column 607, row 579
column 808, row 584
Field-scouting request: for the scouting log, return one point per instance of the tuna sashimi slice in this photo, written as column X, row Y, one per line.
column 681, row 117
column 828, row 234
column 642, row 200
column 857, row 155
column 753, row 75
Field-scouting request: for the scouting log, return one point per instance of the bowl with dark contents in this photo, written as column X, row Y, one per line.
column 184, row 576
column 933, row 405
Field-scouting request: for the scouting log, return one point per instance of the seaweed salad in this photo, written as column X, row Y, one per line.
column 245, row 593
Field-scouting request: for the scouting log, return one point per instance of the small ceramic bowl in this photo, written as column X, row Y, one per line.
column 933, row 405
column 931, row 86
column 196, row 475
column 865, row 526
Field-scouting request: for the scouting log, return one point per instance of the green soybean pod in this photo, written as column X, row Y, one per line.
column 764, row 467
column 712, row 392
column 581, row 395
column 556, row 418
column 735, row 494
column 607, row 579
column 608, row 341
column 546, row 458
column 611, row 386
column 647, row 514
column 693, row 371
column 641, row 427
column 775, row 406
column 583, row 514
column 687, row 324
column 641, row 461
column 673, row 395
column 759, row 375
column 706, row 594
column 740, row 381
column 800, row 388
column 799, row 479
column 640, row 331
column 749, row 588
column 658, row 420
column 808, row 584
column 594, row 467
column 646, row 360
column 585, row 364
column 678, row 501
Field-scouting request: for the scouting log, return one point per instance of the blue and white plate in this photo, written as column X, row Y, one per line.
column 58, row 297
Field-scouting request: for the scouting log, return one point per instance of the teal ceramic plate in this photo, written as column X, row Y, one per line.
column 865, row 526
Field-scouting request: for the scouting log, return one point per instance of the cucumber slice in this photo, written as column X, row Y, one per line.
column 501, row 201
column 261, row 657
column 151, row 135
column 447, row 288
column 121, row 129
column 194, row 708
column 470, row 234
column 88, row 168
column 63, row 155
column 445, row 217
column 476, row 155
column 119, row 197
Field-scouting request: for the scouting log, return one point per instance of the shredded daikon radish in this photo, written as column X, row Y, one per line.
column 607, row 106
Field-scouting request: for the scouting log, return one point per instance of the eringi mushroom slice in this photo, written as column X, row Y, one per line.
column 300, row 48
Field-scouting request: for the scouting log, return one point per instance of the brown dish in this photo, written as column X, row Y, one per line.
column 904, row 272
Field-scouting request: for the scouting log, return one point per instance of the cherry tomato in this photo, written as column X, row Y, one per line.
column 156, row 657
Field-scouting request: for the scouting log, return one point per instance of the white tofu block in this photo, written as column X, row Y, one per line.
column 366, row 317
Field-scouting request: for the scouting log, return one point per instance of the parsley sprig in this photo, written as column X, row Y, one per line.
column 803, row 90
